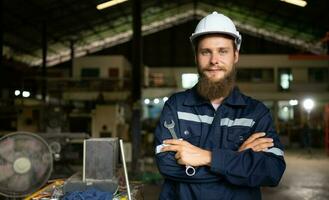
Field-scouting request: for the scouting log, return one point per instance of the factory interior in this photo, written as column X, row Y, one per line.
column 82, row 87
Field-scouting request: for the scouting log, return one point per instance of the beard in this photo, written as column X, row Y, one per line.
column 214, row 89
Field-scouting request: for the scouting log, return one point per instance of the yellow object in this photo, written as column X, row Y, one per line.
column 45, row 191
column 123, row 198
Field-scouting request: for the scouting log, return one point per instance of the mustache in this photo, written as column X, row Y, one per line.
column 202, row 72
column 210, row 68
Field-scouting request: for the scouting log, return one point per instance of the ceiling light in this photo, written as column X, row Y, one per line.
column 109, row 4
column 293, row 102
column 300, row 3
column 147, row 101
column 26, row 94
column 156, row 101
column 17, row 92
column 164, row 99
column 308, row 104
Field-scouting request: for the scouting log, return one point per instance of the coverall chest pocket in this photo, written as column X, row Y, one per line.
column 236, row 136
column 191, row 133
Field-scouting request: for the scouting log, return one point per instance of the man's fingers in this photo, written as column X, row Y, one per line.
column 177, row 156
column 263, row 146
column 254, row 137
column 259, row 150
column 180, row 161
column 170, row 148
column 260, row 141
column 257, row 144
column 173, row 141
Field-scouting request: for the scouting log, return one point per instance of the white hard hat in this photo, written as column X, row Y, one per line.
column 216, row 23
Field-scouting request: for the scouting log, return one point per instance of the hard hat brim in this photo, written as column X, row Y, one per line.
column 196, row 35
column 237, row 36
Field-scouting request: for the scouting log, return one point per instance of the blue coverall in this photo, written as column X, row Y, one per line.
column 232, row 175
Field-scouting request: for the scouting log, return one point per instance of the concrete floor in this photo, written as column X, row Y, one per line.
column 306, row 178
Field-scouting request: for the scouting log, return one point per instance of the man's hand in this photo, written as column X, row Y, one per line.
column 186, row 153
column 257, row 142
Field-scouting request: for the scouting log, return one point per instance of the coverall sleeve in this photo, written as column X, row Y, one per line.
column 249, row 168
column 166, row 162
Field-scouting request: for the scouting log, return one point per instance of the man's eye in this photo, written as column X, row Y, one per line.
column 223, row 51
column 205, row 52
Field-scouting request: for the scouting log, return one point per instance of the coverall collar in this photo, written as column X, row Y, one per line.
column 235, row 98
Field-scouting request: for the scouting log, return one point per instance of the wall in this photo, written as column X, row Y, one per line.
column 106, row 115
column 28, row 119
column 101, row 62
column 263, row 91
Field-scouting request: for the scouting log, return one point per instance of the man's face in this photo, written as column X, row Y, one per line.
column 215, row 57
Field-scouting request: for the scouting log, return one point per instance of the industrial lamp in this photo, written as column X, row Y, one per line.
column 308, row 105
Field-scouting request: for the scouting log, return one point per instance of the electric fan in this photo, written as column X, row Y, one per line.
column 25, row 164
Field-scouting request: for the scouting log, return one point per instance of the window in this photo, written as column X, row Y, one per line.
column 285, row 78
column 113, row 72
column 189, row 80
column 255, row 75
column 157, row 79
column 90, row 72
column 318, row 74
column 285, row 111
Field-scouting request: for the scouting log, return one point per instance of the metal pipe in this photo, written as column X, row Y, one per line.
column 125, row 168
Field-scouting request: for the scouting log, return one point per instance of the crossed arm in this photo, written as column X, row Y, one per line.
column 251, row 165
column 188, row 154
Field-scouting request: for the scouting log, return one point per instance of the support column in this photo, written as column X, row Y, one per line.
column 1, row 48
column 44, row 61
column 72, row 52
column 1, row 34
column 137, row 80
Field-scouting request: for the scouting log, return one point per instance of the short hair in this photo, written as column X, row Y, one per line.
column 197, row 40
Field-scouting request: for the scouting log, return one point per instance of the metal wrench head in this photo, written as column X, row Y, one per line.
column 190, row 171
column 170, row 125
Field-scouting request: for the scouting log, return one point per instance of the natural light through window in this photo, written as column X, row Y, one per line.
column 189, row 80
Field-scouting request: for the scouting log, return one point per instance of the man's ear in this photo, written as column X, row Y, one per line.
column 236, row 56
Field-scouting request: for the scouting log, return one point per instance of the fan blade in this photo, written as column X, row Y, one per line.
column 40, row 165
column 7, row 149
column 20, row 183
column 33, row 146
column 6, row 171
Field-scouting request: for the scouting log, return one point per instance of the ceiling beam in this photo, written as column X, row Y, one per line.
column 171, row 14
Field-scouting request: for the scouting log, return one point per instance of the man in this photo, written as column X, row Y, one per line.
column 216, row 155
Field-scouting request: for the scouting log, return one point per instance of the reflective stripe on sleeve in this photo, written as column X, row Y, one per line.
column 159, row 148
column 275, row 151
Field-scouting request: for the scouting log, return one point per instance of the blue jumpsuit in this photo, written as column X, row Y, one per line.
column 232, row 175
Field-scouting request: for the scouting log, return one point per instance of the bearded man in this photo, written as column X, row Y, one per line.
column 212, row 141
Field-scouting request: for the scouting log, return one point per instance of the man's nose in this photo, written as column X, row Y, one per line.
column 214, row 59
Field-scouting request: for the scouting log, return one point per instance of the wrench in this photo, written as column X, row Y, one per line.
column 190, row 170
column 171, row 129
